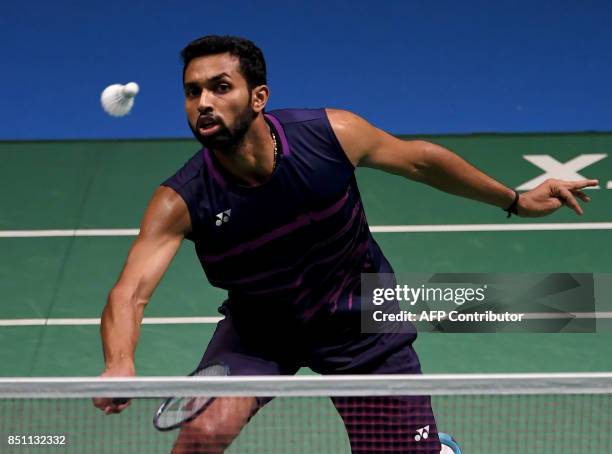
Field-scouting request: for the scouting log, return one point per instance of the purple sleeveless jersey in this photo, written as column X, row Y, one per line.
column 300, row 240
column 291, row 252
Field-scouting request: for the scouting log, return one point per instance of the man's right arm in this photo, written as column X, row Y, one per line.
column 164, row 226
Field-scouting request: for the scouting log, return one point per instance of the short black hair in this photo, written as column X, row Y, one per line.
column 252, row 62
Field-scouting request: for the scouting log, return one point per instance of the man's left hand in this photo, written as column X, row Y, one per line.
column 551, row 195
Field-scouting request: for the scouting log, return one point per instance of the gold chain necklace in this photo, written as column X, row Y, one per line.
column 275, row 150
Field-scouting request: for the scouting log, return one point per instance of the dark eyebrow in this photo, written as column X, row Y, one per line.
column 211, row 79
column 219, row 76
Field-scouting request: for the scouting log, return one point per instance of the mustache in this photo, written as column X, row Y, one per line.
column 207, row 120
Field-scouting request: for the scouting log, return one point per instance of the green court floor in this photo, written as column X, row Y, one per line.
column 106, row 184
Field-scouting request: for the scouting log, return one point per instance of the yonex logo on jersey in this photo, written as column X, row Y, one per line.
column 223, row 217
column 422, row 433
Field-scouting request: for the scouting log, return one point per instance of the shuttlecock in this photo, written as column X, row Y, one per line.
column 117, row 100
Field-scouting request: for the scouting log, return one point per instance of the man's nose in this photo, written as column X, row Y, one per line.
column 204, row 106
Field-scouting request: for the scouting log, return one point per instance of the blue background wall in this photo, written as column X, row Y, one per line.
column 407, row 66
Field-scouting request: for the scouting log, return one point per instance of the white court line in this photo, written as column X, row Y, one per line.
column 491, row 227
column 69, row 233
column 212, row 320
column 552, row 315
column 417, row 228
column 96, row 321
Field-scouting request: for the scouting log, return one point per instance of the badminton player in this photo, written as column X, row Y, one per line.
column 272, row 206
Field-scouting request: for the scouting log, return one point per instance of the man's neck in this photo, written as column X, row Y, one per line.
column 252, row 162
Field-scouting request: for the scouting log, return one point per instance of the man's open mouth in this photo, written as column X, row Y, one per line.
column 207, row 125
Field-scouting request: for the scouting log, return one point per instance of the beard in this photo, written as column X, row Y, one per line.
column 226, row 139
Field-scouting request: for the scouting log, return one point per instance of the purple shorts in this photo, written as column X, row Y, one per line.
column 394, row 424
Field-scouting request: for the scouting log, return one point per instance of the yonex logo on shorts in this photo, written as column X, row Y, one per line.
column 422, row 433
column 223, row 217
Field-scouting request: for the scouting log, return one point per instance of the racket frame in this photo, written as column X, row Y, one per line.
column 195, row 414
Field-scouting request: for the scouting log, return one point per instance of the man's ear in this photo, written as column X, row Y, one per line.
column 260, row 97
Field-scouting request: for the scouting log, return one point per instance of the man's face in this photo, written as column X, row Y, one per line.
column 217, row 101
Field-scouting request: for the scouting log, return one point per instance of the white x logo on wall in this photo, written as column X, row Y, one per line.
column 559, row 170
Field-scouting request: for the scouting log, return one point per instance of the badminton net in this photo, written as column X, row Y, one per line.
column 493, row 413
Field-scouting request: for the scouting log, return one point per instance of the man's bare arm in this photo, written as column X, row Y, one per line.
column 164, row 226
column 436, row 166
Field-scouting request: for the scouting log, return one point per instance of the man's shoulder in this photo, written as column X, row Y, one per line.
column 297, row 115
column 191, row 169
